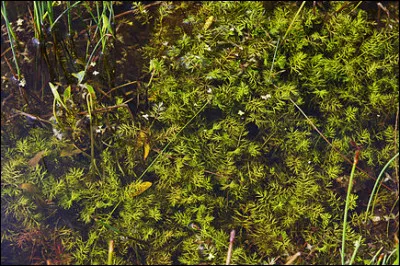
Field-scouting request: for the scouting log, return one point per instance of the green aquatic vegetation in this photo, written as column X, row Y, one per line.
column 221, row 144
column 12, row 39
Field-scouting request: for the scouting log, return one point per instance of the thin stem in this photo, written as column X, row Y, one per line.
column 166, row 146
column 229, row 255
column 110, row 252
column 346, row 208
column 376, row 187
column 294, row 19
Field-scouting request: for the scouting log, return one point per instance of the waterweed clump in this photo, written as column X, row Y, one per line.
column 221, row 145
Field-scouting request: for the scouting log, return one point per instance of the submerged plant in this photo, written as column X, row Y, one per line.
column 216, row 143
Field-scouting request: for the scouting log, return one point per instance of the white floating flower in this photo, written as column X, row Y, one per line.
column 95, row 73
column 266, row 97
column 210, row 256
column 58, row 134
column 240, row 113
column 146, row 116
column 93, row 64
column 100, row 129
column 375, row 219
column 20, row 21
column 22, row 83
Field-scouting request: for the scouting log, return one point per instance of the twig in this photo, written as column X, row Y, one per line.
column 134, row 11
column 106, row 109
column 110, row 252
column 121, row 86
column 34, row 117
column 292, row 258
column 229, row 255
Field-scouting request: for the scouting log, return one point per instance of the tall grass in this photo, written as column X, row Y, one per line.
column 11, row 37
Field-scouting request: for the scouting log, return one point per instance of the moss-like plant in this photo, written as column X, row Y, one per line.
column 221, row 144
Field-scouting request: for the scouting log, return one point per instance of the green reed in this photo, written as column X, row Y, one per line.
column 11, row 37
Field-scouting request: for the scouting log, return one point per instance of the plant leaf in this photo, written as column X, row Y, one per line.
column 146, row 150
column 70, row 150
column 56, row 94
column 67, row 93
column 80, row 75
column 140, row 188
column 208, row 23
column 35, row 160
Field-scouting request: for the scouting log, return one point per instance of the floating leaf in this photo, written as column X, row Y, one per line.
column 146, row 150
column 141, row 138
column 208, row 23
column 28, row 187
column 35, row 160
column 70, row 150
column 139, row 188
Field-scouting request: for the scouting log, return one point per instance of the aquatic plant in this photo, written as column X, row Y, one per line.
column 12, row 39
column 245, row 118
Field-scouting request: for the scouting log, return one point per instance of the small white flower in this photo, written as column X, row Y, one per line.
column 387, row 177
column 22, row 83
column 165, row 43
column 378, row 115
column 93, row 64
column 210, row 256
column 375, row 218
column 20, row 21
column 209, row 90
column 240, row 113
column 232, row 29
column 266, row 97
column 309, row 162
column 100, row 129
column 309, row 247
column 146, row 116
column 95, row 73
column 57, row 133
